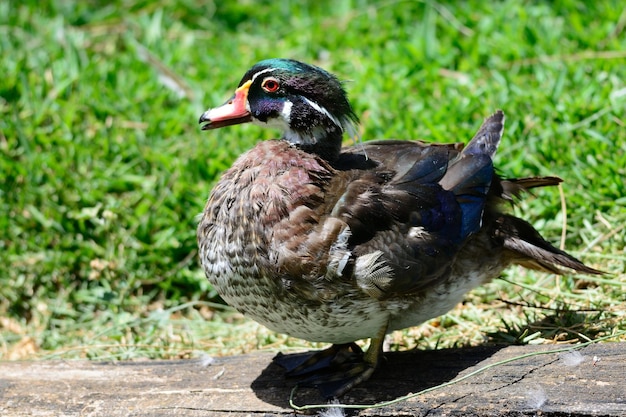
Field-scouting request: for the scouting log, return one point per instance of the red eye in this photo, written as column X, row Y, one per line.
column 270, row 84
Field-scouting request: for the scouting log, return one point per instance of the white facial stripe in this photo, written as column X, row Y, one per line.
column 286, row 111
column 323, row 111
column 266, row 70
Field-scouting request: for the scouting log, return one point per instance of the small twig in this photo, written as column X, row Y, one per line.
column 570, row 58
column 554, row 309
column 589, row 120
column 446, row 14
column 619, row 28
column 603, row 237
column 564, row 220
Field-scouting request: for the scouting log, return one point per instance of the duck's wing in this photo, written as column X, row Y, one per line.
column 392, row 217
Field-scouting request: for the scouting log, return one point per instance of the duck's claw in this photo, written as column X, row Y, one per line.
column 333, row 371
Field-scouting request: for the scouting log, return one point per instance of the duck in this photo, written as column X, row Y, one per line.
column 339, row 244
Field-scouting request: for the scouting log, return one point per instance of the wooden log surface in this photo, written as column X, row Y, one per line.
column 588, row 383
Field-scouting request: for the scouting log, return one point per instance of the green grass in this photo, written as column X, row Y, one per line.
column 104, row 168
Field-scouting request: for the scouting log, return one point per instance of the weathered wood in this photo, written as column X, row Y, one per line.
column 250, row 385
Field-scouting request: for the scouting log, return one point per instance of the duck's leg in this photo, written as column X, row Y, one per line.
column 336, row 370
column 320, row 361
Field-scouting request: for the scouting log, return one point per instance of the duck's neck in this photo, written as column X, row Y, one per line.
column 324, row 142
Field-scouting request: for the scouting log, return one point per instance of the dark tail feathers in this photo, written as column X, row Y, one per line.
column 515, row 187
column 533, row 251
column 487, row 139
column 469, row 176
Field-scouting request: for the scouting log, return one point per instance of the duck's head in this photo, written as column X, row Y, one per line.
column 307, row 103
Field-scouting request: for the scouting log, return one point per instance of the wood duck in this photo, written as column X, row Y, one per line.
column 333, row 244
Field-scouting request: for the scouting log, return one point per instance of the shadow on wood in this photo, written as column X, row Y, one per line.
column 400, row 374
